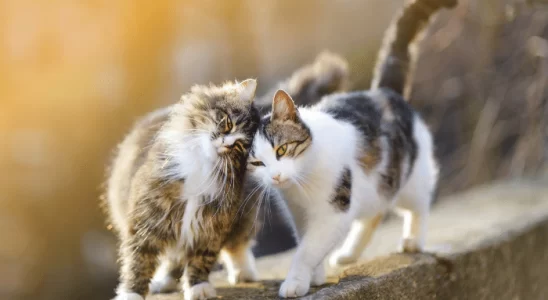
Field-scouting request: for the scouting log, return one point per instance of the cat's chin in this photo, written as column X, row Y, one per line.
column 282, row 185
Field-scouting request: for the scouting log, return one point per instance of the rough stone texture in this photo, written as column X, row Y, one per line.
column 490, row 243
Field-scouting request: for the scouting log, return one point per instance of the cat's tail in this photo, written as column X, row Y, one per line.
column 326, row 75
column 396, row 60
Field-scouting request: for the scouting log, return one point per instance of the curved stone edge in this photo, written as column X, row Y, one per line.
column 513, row 267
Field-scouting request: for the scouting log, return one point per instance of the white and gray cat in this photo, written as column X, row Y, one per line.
column 343, row 163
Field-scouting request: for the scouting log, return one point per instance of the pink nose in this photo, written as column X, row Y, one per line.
column 276, row 178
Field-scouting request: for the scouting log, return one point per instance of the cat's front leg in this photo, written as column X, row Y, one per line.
column 318, row 276
column 323, row 232
column 196, row 284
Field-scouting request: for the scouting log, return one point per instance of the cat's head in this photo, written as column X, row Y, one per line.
column 214, row 122
column 279, row 156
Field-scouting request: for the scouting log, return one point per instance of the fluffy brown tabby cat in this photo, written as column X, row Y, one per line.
column 175, row 190
column 328, row 73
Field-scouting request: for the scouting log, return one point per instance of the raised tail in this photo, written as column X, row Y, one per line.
column 326, row 75
column 396, row 60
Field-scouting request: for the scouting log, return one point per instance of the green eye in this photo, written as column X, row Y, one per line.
column 281, row 150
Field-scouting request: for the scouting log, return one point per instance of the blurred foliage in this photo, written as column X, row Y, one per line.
column 76, row 74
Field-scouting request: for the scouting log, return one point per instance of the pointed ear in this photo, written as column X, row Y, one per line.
column 283, row 107
column 247, row 89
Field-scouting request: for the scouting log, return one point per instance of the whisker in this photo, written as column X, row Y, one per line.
column 246, row 200
column 259, row 205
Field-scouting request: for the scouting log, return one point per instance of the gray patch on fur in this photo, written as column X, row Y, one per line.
column 343, row 191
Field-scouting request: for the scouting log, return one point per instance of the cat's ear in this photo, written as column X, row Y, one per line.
column 247, row 90
column 283, row 107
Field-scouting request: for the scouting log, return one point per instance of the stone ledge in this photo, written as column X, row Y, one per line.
column 490, row 243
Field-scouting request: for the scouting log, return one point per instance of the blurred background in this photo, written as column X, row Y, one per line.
column 75, row 75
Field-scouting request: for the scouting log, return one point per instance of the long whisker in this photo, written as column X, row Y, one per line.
column 268, row 208
column 259, row 205
column 247, row 198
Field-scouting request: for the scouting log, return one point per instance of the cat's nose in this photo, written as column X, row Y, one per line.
column 276, row 178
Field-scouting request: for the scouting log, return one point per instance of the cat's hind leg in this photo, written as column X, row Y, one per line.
column 413, row 204
column 239, row 262
column 414, row 199
column 357, row 239
column 414, row 230
column 236, row 253
column 166, row 279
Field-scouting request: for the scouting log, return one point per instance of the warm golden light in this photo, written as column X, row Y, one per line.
column 74, row 76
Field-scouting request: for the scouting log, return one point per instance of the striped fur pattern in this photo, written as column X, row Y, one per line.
column 175, row 193
column 343, row 163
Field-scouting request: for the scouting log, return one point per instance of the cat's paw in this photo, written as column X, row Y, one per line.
column 293, row 287
column 200, row 291
column 166, row 284
column 411, row 246
column 340, row 259
column 128, row 296
column 244, row 275
column 318, row 277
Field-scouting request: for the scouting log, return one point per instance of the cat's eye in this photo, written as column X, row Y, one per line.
column 227, row 124
column 257, row 163
column 281, row 150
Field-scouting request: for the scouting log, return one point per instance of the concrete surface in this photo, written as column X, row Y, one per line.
column 490, row 243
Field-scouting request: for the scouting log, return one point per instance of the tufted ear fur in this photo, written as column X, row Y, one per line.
column 247, row 90
column 283, row 107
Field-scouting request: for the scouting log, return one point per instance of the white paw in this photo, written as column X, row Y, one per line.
column 318, row 277
column 164, row 285
column 245, row 275
column 294, row 288
column 411, row 246
column 341, row 259
column 128, row 296
column 200, row 291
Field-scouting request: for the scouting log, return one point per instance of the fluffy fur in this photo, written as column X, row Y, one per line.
column 343, row 163
column 175, row 193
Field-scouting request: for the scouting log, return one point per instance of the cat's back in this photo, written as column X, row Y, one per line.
column 130, row 155
column 372, row 112
column 357, row 108
column 390, row 130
